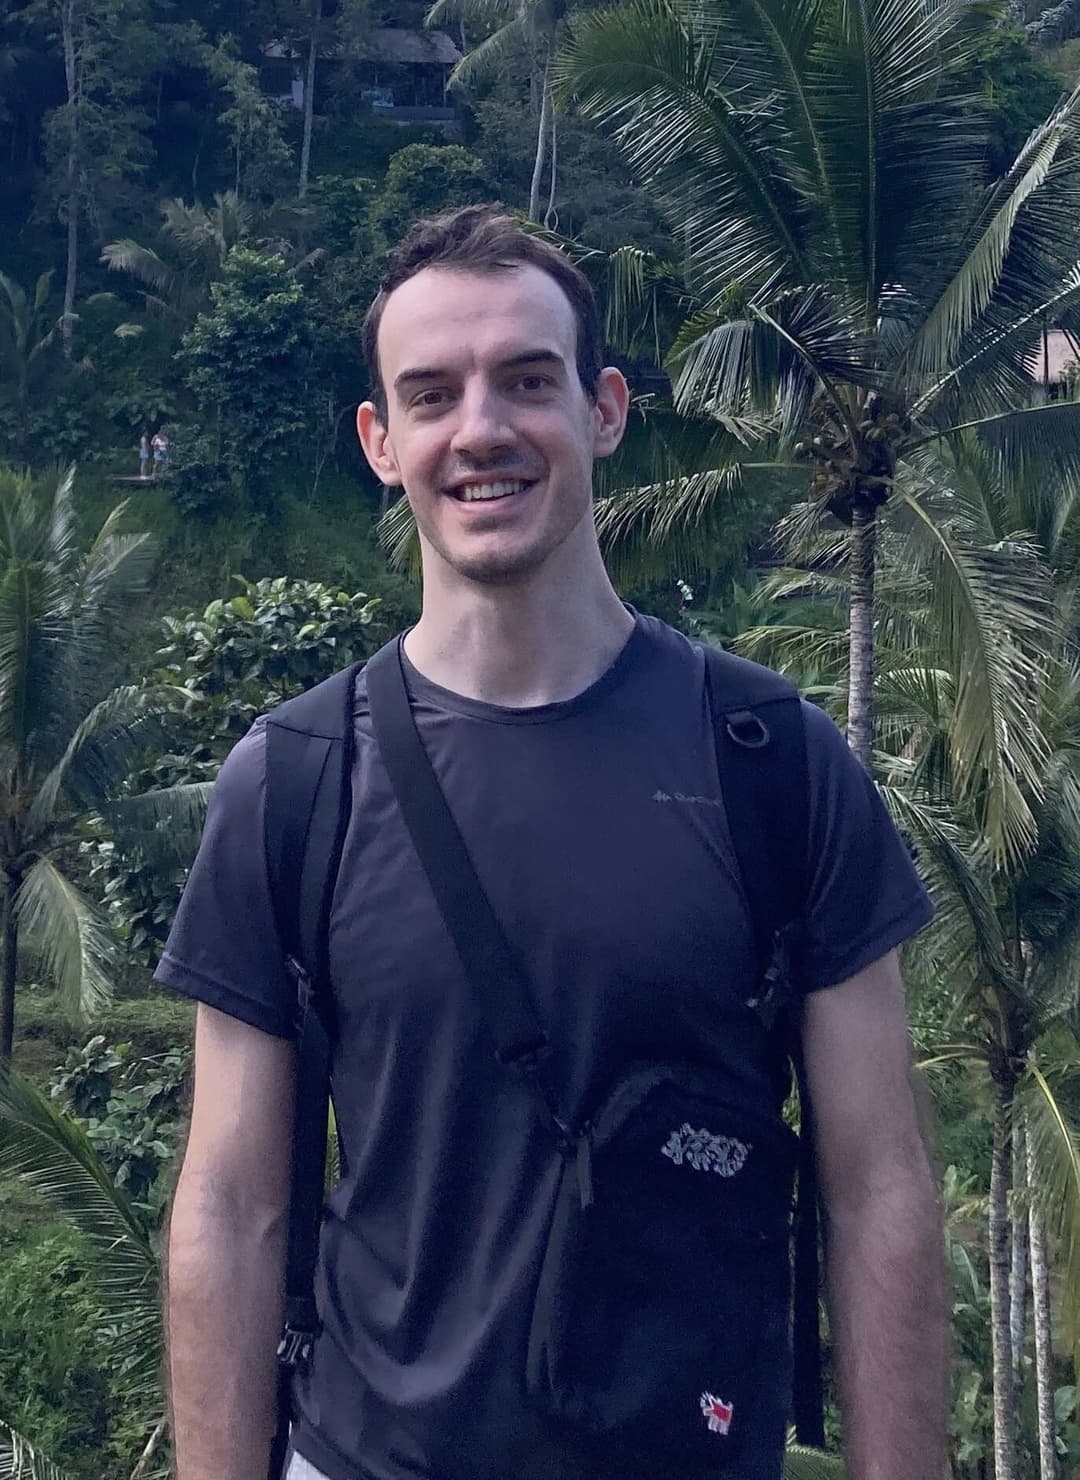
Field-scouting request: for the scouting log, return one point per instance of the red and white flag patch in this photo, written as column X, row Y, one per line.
column 718, row 1414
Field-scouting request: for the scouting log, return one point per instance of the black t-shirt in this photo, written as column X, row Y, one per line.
column 597, row 830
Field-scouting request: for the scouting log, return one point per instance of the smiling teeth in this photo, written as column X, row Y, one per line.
column 473, row 491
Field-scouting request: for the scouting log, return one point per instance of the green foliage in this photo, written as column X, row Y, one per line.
column 68, row 733
column 50, row 1153
column 132, row 1111
column 246, row 653
column 54, row 1382
column 248, row 362
column 1017, row 88
column 422, row 179
column 237, row 659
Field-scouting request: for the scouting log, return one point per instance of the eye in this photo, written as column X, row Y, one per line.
column 534, row 382
column 430, row 398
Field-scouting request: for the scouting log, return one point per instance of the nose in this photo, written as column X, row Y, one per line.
column 481, row 431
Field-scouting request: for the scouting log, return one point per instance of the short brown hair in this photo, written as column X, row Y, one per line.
column 483, row 239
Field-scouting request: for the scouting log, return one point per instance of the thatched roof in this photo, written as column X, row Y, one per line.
column 431, row 48
column 389, row 44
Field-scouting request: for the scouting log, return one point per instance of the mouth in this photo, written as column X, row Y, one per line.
column 491, row 490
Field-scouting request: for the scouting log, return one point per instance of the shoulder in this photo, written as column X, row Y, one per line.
column 242, row 777
column 323, row 710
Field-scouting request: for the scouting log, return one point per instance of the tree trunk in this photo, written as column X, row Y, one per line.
column 9, row 973
column 1004, row 1386
column 1044, row 1358
column 309, row 95
column 67, row 326
column 1018, row 1268
column 541, row 137
column 550, row 216
column 861, row 632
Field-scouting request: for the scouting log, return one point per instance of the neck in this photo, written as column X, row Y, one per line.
column 537, row 641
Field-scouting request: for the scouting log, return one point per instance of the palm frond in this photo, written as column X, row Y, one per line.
column 967, row 296
column 491, row 55
column 141, row 262
column 70, row 934
column 51, row 1153
column 904, row 150
column 802, row 1463
column 164, row 825
column 1038, row 437
column 993, row 609
column 399, row 537
column 773, row 354
column 19, row 1460
column 105, row 747
column 652, row 73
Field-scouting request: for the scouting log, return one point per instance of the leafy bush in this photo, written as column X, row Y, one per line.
column 238, row 659
column 249, row 361
column 132, row 1111
column 58, row 1382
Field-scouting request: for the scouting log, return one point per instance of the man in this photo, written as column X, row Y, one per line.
column 574, row 743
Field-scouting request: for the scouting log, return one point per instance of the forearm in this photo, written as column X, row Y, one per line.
column 224, row 1307
column 890, row 1324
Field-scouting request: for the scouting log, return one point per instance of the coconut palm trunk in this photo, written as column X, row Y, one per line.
column 67, row 331
column 550, row 215
column 9, row 971
column 541, row 134
column 1018, row 1266
column 861, row 632
column 309, row 96
column 999, row 1232
column 1040, row 1300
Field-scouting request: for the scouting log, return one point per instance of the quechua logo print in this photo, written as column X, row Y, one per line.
column 717, row 1413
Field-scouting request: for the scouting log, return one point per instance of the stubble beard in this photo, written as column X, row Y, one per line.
column 511, row 567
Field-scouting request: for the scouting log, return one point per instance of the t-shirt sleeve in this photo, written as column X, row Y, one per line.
column 864, row 895
column 223, row 948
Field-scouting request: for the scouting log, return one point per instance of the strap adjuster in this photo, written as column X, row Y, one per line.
column 747, row 729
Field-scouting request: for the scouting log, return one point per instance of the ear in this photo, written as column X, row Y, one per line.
column 375, row 440
column 610, row 411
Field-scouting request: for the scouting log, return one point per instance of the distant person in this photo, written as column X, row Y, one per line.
column 160, row 444
column 144, row 456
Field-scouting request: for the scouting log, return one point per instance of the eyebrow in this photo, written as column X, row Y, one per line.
column 514, row 362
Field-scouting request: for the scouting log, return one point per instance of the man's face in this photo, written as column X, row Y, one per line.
column 488, row 427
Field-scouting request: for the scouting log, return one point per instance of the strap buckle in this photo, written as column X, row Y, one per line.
column 295, row 1347
column 775, row 990
column 748, row 729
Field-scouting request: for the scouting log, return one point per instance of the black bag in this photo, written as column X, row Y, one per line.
column 717, row 1176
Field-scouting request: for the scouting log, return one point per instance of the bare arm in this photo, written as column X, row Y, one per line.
column 886, row 1266
column 226, row 1254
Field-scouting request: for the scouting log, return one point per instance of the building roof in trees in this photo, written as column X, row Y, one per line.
column 1061, row 350
column 387, row 44
column 431, row 48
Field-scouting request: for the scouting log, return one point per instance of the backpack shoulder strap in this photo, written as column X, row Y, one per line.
column 308, row 767
column 761, row 756
column 764, row 779
column 309, row 750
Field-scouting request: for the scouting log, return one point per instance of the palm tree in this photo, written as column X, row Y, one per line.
column 854, row 280
column 68, row 739
column 532, row 26
column 26, row 336
column 196, row 240
column 972, row 652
